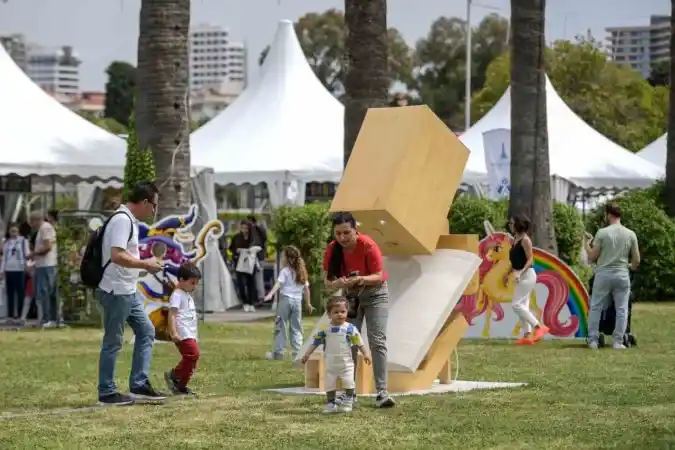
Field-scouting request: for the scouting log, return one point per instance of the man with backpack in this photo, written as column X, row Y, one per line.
column 111, row 263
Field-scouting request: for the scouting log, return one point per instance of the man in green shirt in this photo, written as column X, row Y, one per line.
column 615, row 250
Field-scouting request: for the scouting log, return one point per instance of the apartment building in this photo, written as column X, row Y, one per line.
column 215, row 60
column 55, row 70
column 640, row 47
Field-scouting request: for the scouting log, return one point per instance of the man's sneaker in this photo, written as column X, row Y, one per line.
column 115, row 399
column 383, row 400
column 343, row 396
column 171, row 382
column 347, row 405
column 618, row 346
column 593, row 345
column 251, row 308
column 147, row 393
column 331, row 408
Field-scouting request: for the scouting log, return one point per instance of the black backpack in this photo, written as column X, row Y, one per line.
column 92, row 267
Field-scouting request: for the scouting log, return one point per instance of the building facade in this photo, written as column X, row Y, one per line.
column 641, row 47
column 16, row 47
column 56, row 71
column 214, row 60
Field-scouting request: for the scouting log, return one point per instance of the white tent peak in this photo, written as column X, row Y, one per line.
column 285, row 125
column 656, row 152
column 39, row 135
column 577, row 152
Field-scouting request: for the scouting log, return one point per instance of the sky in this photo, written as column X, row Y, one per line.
column 102, row 31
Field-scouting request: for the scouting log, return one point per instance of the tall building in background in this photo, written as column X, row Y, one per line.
column 214, row 60
column 56, row 71
column 640, row 47
column 16, row 47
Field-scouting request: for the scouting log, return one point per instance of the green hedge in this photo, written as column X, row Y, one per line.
column 468, row 214
column 309, row 229
column 641, row 211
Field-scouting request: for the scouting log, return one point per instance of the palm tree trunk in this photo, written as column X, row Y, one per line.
column 367, row 78
column 162, row 106
column 670, row 154
column 530, row 170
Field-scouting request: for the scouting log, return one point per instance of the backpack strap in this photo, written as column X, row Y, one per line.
column 105, row 226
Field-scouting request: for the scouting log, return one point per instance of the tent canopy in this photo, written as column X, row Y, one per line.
column 656, row 152
column 578, row 153
column 284, row 127
column 41, row 137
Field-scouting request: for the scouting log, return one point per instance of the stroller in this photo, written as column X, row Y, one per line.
column 608, row 319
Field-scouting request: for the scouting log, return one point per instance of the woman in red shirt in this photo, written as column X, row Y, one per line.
column 353, row 264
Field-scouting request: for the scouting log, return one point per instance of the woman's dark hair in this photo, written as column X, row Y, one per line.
column 521, row 224
column 336, row 261
column 25, row 230
column 12, row 225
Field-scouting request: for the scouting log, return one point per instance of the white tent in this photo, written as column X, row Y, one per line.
column 285, row 129
column 39, row 136
column 656, row 152
column 579, row 155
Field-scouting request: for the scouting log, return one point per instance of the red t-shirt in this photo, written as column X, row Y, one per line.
column 365, row 257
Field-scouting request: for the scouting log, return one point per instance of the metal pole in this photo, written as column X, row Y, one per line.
column 467, row 110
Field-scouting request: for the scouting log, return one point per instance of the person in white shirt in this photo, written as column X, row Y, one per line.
column 15, row 251
column 291, row 284
column 44, row 276
column 183, row 329
column 122, row 303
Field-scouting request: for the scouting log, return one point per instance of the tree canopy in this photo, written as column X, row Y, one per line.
column 613, row 99
column 119, row 91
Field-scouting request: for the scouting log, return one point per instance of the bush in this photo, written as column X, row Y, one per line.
column 569, row 232
column 308, row 228
column 656, row 237
column 468, row 213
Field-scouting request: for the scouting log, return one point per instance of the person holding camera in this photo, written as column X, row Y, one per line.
column 353, row 264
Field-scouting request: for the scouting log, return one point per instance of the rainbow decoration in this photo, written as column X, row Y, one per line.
column 577, row 299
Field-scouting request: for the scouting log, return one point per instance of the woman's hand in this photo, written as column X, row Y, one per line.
column 516, row 276
column 354, row 281
column 340, row 283
column 268, row 297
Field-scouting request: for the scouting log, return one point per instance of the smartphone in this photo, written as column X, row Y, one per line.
column 355, row 273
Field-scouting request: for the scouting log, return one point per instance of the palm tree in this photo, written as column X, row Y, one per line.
column 367, row 79
column 530, row 170
column 670, row 153
column 162, row 102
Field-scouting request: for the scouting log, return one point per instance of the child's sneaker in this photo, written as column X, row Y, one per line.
column 184, row 390
column 347, row 405
column 331, row 408
column 272, row 356
column 171, row 382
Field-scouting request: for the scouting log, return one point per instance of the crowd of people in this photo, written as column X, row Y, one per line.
column 28, row 269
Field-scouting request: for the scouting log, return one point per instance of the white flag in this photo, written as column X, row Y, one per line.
column 497, row 146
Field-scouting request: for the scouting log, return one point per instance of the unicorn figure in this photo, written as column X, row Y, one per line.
column 172, row 243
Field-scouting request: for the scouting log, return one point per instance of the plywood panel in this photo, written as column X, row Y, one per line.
column 423, row 292
column 402, row 175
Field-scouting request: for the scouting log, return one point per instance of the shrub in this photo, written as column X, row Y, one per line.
column 468, row 213
column 656, row 238
column 569, row 231
column 308, row 228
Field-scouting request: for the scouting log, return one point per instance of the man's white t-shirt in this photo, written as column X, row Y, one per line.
column 116, row 279
column 186, row 317
column 289, row 287
column 44, row 234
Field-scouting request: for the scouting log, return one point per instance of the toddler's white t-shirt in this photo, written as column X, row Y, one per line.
column 186, row 318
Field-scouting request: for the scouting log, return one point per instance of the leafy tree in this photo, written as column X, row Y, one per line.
column 107, row 123
column 440, row 60
column 613, row 99
column 530, row 168
column 119, row 91
column 660, row 74
column 669, row 190
column 139, row 164
column 322, row 38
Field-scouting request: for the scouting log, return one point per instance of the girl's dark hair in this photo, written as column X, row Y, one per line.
column 25, row 230
column 334, row 301
column 295, row 261
column 12, row 225
column 336, row 261
column 521, row 223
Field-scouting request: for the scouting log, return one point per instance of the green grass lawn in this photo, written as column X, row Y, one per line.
column 576, row 398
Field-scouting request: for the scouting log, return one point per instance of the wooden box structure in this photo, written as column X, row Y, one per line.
column 402, row 176
column 400, row 181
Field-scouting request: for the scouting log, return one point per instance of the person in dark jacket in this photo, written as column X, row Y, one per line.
column 260, row 236
column 246, row 284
